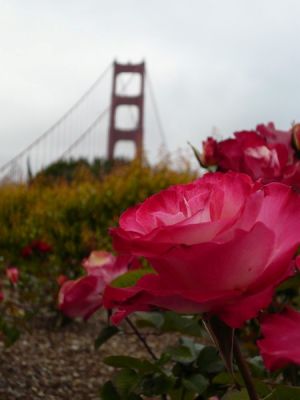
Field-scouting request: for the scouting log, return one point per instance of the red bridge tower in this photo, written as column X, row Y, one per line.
column 135, row 134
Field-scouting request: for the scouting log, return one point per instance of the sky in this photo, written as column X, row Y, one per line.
column 227, row 64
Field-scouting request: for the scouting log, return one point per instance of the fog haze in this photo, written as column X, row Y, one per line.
column 229, row 64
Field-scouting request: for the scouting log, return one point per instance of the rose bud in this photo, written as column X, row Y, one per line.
column 208, row 157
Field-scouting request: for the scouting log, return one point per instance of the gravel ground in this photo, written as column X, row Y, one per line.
column 61, row 363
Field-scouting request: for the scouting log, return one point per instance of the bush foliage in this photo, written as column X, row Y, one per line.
column 74, row 216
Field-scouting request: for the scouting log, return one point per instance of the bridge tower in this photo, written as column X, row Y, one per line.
column 136, row 134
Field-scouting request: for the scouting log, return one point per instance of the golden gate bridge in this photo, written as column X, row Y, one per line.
column 80, row 131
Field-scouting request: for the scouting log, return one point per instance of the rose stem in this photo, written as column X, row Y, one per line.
column 141, row 338
column 244, row 370
column 146, row 345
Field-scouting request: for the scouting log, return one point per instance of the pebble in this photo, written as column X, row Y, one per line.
column 60, row 364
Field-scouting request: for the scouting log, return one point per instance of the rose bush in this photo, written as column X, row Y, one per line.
column 82, row 297
column 219, row 245
column 281, row 337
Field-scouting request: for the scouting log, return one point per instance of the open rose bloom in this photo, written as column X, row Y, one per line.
column 266, row 154
column 219, row 245
column 281, row 338
column 82, row 297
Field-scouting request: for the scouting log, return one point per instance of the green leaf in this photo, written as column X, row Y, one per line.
column 290, row 283
column 149, row 319
column 197, row 383
column 197, row 155
column 257, row 366
column 130, row 278
column 170, row 322
column 261, row 388
column 163, row 359
column 181, row 393
column 186, row 325
column 224, row 378
column 11, row 333
column 195, row 348
column 209, row 360
column 134, row 396
column 109, row 392
column 132, row 363
column 105, row 335
column 126, row 380
column 182, row 354
column 236, row 395
column 155, row 384
column 283, row 392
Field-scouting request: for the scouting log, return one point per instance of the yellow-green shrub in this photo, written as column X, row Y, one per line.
column 74, row 218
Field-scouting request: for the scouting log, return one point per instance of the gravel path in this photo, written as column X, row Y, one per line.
column 50, row 363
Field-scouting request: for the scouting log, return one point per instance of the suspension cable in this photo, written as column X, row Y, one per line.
column 84, row 134
column 156, row 111
column 60, row 120
column 90, row 128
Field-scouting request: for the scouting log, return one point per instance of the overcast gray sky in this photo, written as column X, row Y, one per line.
column 230, row 64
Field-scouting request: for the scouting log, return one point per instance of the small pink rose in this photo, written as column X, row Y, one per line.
column 82, row 297
column 13, row 275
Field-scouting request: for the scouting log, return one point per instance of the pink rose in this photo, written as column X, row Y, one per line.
column 274, row 136
column 250, row 153
column 281, row 337
column 265, row 154
column 13, row 275
column 291, row 175
column 220, row 245
column 82, row 297
column 231, row 151
column 109, row 267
